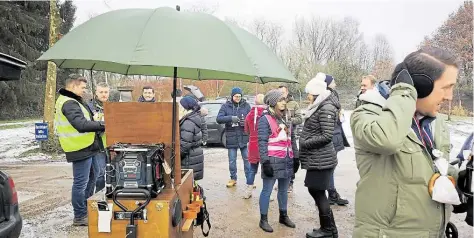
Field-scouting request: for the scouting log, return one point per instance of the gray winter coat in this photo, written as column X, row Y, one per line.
column 282, row 168
column 317, row 150
column 192, row 155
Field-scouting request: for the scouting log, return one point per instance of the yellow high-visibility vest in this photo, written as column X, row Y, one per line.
column 70, row 139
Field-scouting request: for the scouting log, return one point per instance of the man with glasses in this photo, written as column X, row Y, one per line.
column 233, row 114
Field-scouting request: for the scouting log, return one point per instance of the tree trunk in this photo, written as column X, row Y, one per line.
column 50, row 92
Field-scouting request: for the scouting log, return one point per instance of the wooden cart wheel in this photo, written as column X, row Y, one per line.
column 451, row 231
column 434, row 178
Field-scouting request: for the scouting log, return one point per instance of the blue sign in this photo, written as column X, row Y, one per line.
column 41, row 131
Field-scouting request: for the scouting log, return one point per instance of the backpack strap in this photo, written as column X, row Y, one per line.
column 206, row 219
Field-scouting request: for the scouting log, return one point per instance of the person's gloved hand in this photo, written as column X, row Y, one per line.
column 267, row 169
column 96, row 117
column 296, row 165
column 204, row 143
column 235, row 119
column 384, row 88
column 402, row 77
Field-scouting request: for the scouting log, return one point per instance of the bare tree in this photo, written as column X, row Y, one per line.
column 268, row 32
column 382, row 50
column 318, row 38
column 363, row 56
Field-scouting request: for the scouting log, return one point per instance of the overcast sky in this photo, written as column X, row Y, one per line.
column 403, row 22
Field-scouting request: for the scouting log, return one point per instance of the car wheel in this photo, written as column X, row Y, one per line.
column 224, row 139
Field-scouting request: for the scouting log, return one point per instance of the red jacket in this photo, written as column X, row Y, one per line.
column 251, row 123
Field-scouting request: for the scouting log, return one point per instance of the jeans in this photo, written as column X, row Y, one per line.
column 282, row 195
column 100, row 183
column 292, row 179
column 232, row 152
column 83, row 184
column 252, row 173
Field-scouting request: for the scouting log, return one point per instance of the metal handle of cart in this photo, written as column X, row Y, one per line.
column 132, row 192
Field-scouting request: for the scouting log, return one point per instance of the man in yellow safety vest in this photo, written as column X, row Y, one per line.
column 78, row 135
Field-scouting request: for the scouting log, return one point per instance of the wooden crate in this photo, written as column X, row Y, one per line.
column 158, row 213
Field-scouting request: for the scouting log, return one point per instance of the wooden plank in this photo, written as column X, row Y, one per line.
column 186, row 188
column 184, row 192
column 143, row 123
column 187, row 225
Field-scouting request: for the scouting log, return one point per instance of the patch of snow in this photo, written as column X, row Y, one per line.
column 25, row 196
column 14, row 142
column 18, row 123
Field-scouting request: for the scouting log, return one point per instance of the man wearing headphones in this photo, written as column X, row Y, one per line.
column 397, row 140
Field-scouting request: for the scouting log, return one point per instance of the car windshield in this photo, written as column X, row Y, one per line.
column 213, row 108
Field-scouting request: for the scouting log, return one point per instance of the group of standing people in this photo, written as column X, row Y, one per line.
column 265, row 135
column 397, row 138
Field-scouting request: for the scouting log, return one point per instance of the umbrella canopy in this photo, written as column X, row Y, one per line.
column 155, row 41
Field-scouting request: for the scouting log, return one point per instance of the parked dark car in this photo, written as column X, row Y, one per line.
column 216, row 131
column 10, row 219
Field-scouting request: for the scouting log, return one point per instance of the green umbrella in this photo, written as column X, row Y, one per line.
column 155, row 41
column 167, row 42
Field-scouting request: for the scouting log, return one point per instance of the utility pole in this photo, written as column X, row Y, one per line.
column 50, row 90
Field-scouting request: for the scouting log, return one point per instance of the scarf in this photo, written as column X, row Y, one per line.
column 97, row 105
column 142, row 99
column 255, row 115
column 314, row 106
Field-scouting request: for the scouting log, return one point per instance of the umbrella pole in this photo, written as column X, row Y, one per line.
column 173, row 129
column 92, row 88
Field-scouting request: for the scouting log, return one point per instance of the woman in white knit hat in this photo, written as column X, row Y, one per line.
column 317, row 153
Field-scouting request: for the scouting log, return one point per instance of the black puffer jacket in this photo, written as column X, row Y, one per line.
column 192, row 155
column 316, row 142
column 73, row 112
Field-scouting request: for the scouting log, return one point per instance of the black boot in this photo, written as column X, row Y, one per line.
column 328, row 227
column 333, row 224
column 335, row 198
column 264, row 223
column 285, row 220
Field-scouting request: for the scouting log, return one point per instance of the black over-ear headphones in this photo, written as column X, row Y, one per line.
column 423, row 83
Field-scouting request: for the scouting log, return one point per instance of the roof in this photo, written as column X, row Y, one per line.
column 10, row 67
column 12, row 61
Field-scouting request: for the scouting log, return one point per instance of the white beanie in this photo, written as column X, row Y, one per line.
column 316, row 85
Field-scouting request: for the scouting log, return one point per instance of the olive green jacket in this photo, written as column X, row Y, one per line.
column 294, row 111
column 392, row 198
